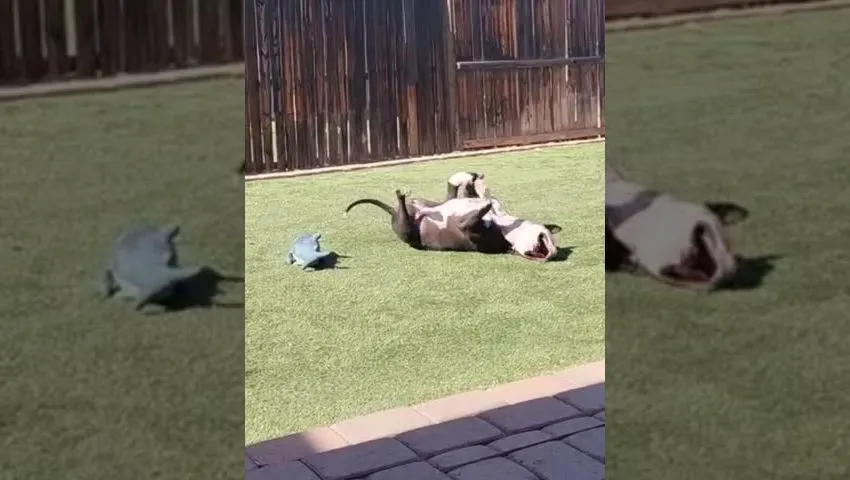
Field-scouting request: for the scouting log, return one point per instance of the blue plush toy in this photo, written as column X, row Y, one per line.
column 307, row 252
column 144, row 265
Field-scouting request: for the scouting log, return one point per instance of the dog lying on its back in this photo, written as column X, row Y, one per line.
column 674, row 241
column 527, row 239
column 454, row 225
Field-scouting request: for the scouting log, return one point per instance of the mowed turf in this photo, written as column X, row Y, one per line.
column 395, row 326
column 746, row 384
column 89, row 388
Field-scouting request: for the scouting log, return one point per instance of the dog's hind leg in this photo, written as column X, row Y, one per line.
column 403, row 223
column 470, row 219
column 426, row 203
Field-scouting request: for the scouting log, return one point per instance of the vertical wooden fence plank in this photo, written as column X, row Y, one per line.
column 86, row 48
column 181, row 21
column 225, row 31
column 448, row 66
column 9, row 62
column 358, row 80
column 395, row 44
column 290, row 149
column 30, row 28
column 210, row 46
column 515, row 116
column 252, row 92
column 275, row 65
column 426, row 80
column 499, row 51
column 387, row 55
column 294, row 128
column 134, row 19
column 237, row 32
column 352, row 18
column 399, row 84
column 383, row 54
column 316, row 80
column 344, row 66
column 57, row 48
column 334, row 50
column 373, row 89
column 411, row 60
column 462, row 45
column 559, row 49
column 304, row 71
column 112, row 37
column 264, row 84
column 157, row 35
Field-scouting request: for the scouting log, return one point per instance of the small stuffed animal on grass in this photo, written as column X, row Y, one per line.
column 307, row 252
column 144, row 266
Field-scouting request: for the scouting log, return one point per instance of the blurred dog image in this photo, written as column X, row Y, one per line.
column 674, row 241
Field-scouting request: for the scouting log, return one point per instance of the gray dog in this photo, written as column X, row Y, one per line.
column 453, row 225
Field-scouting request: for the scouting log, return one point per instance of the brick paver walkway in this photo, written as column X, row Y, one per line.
column 545, row 428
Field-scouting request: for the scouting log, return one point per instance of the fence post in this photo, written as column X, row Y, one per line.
column 252, row 89
column 451, row 74
column 273, row 50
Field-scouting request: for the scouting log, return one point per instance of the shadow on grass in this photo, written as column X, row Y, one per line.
column 331, row 262
column 200, row 292
column 581, row 437
column 562, row 254
column 751, row 272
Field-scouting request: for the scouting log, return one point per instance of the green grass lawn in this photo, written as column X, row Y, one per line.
column 88, row 388
column 748, row 384
column 399, row 326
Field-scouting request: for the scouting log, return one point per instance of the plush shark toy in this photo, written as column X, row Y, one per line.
column 144, row 266
column 307, row 252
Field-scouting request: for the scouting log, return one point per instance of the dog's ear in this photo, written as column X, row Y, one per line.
column 729, row 213
column 552, row 227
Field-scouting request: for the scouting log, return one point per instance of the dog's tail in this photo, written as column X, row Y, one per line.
column 371, row 201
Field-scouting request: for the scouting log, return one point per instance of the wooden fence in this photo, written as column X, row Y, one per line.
column 335, row 82
column 56, row 39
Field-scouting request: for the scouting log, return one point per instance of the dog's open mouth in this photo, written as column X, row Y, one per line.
column 540, row 251
column 698, row 267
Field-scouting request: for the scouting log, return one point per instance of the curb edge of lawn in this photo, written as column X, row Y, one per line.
column 423, row 159
column 120, row 82
column 755, row 11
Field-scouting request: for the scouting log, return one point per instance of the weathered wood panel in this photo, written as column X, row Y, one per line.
column 39, row 41
column 358, row 81
column 254, row 137
column 527, row 70
column 9, row 60
column 350, row 81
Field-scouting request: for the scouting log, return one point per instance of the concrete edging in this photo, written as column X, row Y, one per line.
column 568, row 385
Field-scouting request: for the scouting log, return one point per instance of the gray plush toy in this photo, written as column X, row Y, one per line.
column 144, row 266
column 307, row 252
